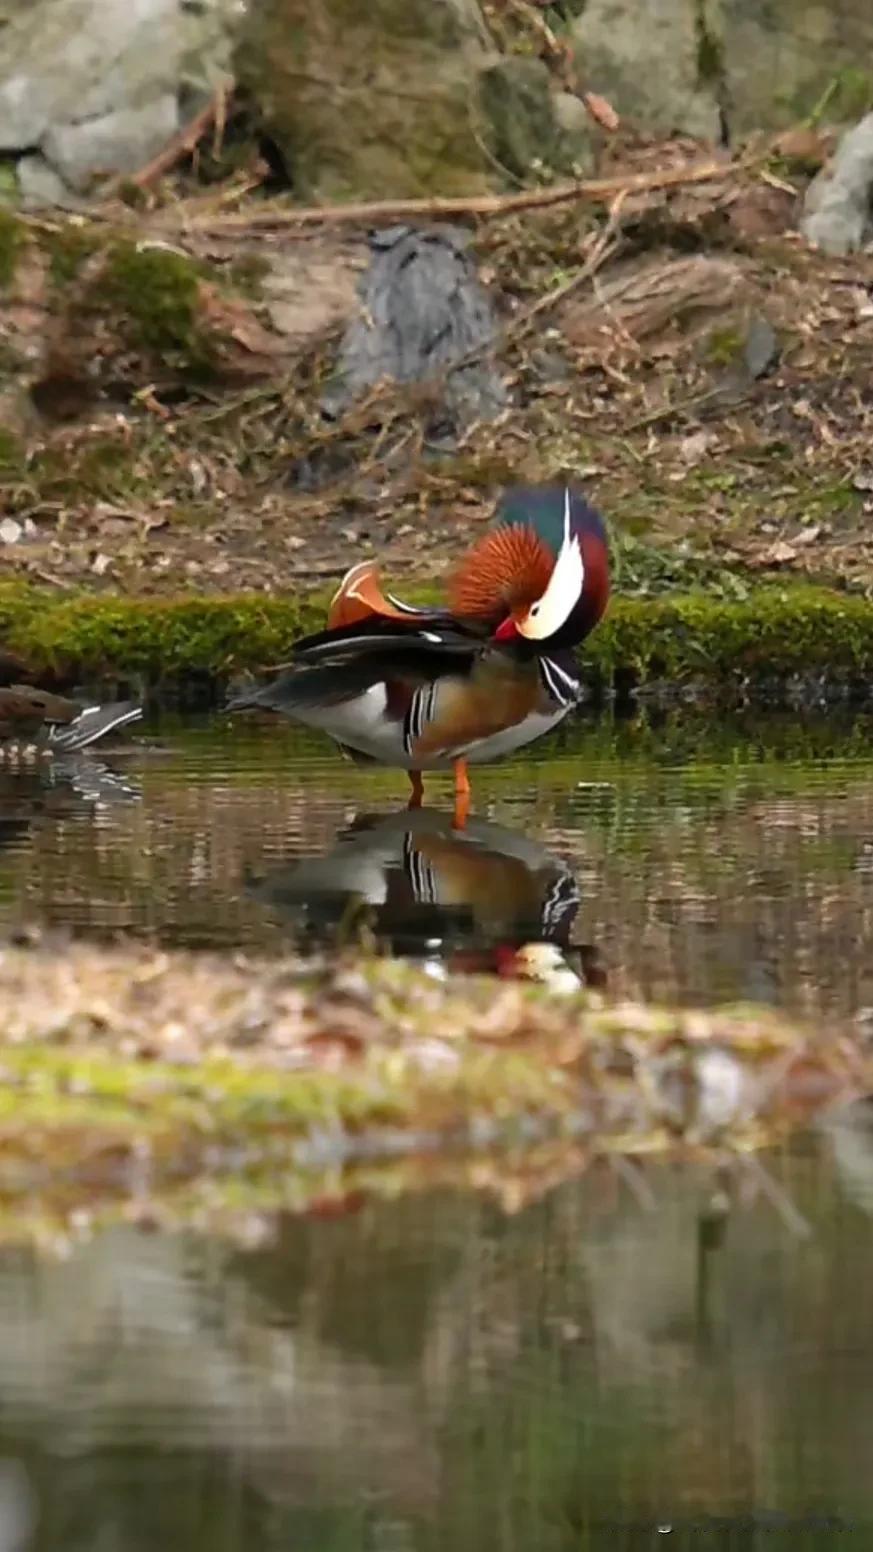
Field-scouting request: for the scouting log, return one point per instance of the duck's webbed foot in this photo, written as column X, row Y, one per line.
column 417, row 784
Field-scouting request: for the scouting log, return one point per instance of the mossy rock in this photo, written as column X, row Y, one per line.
column 163, row 314
column 520, row 126
column 158, row 295
column 369, row 101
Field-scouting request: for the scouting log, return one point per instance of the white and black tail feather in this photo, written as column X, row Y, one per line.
column 92, row 723
column 559, row 682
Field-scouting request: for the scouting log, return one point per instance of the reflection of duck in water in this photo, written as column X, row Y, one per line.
column 427, row 689
column 482, row 899
column 36, row 724
column 56, row 789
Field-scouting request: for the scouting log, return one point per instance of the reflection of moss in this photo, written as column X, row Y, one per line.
column 90, row 1068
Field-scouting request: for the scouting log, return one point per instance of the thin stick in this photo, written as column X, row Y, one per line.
column 182, row 144
column 604, row 249
column 598, row 190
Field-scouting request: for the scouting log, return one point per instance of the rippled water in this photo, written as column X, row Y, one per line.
column 684, row 859
column 646, row 1357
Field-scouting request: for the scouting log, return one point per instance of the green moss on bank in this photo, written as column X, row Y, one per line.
column 692, row 636
column 158, row 293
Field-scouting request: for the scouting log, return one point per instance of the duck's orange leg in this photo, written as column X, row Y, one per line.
column 417, row 789
column 462, row 795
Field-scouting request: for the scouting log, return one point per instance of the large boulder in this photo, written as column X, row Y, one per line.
column 424, row 318
column 653, row 62
column 399, row 98
column 701, row 66
column 369, row 100
column 782, row 58
column 90, row 87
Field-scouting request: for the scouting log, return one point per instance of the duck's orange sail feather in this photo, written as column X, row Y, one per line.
column 360, row 597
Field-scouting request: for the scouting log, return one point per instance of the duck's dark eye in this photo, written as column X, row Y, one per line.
column 534, row 611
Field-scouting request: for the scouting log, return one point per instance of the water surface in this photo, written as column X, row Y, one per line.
column 682, row 860
column 648, row 1356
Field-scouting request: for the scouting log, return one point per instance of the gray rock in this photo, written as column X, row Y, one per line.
column 760, row 347
column 40, row 185
column 779, row 58
column 571, row 114
column 839, row 202
column 646, row 59
column 117, row 142
column 83, row 65
column 423, row 310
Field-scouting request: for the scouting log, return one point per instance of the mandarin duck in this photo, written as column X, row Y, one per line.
column 482, row 899
column 430, row 688
column 35, row 723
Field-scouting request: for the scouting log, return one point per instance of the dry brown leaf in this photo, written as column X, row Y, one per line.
column 602, row 111
column 231, row 317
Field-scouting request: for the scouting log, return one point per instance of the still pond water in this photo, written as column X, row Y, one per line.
column 658, row 1357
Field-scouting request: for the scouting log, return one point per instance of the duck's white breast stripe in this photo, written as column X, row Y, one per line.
column 420, row 713
column 562, row 687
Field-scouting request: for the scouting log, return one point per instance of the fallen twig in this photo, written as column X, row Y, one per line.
column 598, row 190
column 181, row 145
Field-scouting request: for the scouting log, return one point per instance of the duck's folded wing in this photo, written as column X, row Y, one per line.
column 438, row 636
column 338, row 672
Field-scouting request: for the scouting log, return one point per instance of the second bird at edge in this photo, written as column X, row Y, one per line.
column 429, row 688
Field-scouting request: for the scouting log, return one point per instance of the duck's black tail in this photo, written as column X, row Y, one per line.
column 92, row 723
